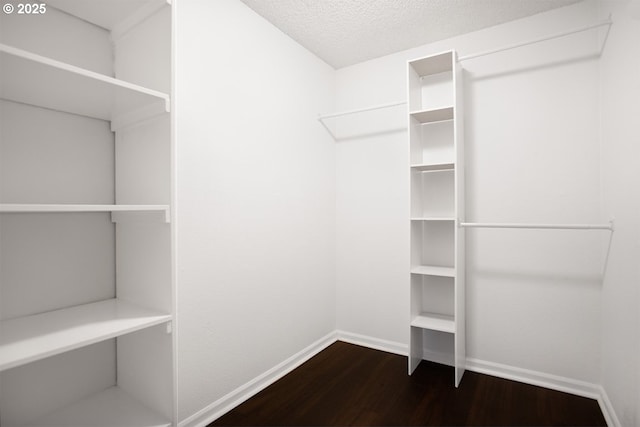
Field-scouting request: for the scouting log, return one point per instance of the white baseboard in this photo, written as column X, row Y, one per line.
column 541, row 379
column 554, row 382
column 607, row 409
column 244, row 392
column 375, row 343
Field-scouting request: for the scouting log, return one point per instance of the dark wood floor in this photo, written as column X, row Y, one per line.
column 350, row 385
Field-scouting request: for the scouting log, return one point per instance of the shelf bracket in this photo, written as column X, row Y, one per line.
column 169, row 328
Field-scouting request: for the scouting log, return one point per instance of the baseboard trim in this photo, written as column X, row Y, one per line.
column 374, row 343
column 607, row 409
column 541, row 379
column 245, row 391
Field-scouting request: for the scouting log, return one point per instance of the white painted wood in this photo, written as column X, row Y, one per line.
column 437, row 197
column 433, row 218
column 31, row 391
column 135, row 62
column 37, row 80
column 432, row 194
column 435, row 322
column 112, row 407
column 30, row 338
column 48, row 260
column 459, row 297
column 126, row 336
column 433, row 115
column 52, row 208
column 145, row 363
column 434, row 64
column 433, row 167
column 431, row 270
column 432, row 143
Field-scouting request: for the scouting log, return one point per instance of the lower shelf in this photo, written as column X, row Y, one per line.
column 30, row 338
column 112, row 407
column 435, row 322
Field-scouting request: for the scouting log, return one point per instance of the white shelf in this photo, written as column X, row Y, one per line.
column 37, row 80
column 82, row 208
column 432, row 270
column 433, row 115
column 434, row 167
column 110, row 408
column 44, row 208
column 433, row 219
column 30, row 338
column 433, row 65
column 435, row 322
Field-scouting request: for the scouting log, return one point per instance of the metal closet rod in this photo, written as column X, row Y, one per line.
column 606, row 22
column 608, row 226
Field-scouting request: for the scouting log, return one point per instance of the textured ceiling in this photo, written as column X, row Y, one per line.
column 345, row 32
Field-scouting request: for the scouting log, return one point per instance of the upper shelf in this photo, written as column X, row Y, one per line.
column 433, row 115
column 434, row 64
column 30, row 338
column 37, row 80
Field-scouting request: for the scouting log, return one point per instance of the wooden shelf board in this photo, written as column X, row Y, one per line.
column 432, row 270
column 435, row 322
column 433, row 115
column 433, row 167
column 37, row 80
column 30, row 338
column 434, row 64
column 433, row 219
column 112, row 407
column 44, row 208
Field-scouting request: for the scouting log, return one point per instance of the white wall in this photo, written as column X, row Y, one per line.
column 255, row 199
column 533, row 297
column 620, row 104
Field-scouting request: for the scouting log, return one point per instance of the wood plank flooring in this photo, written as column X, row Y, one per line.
column 348, row 385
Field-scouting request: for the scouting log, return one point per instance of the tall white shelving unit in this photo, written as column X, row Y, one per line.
column 437, row 317
column 86, row 258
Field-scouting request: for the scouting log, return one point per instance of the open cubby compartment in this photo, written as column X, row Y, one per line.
column 432, row 194
column 434, row 346
column 432, row 294
column 431, row 82
column 432, row 143
column 118, row 382
column 432, row 243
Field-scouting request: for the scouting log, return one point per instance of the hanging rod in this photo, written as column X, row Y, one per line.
column 607, row 22
column 608, row 226
column 361, row 110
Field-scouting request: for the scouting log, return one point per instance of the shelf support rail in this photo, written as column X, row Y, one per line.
column 322, row 117
column 608, row 227
column 607, row 22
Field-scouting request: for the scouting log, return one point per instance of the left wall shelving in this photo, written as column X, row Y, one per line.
column 86, row 277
